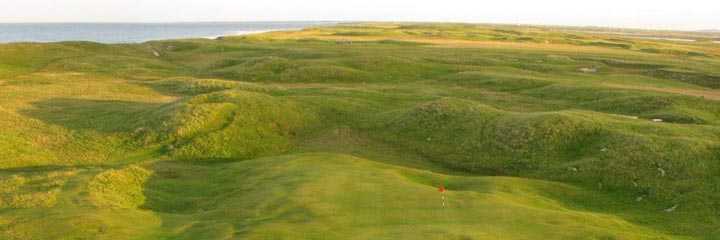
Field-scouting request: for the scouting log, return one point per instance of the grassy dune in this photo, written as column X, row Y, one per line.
column 345, row 132
column 321, row 196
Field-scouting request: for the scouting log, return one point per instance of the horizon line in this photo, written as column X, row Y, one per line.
column 363, row 21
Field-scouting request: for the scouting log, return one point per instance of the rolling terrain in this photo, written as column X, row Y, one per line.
column 347, row 131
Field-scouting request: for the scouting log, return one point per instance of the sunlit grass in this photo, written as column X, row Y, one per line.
column 345, row 132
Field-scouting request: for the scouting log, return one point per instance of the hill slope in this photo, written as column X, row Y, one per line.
column 346, row 132
column 318, row 196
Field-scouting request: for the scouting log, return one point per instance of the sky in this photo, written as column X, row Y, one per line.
column 658, row 14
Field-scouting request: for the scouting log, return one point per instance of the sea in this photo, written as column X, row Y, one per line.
column 138, row 32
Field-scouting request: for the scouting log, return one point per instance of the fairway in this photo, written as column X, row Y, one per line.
column 321, row 196
column 347, row 132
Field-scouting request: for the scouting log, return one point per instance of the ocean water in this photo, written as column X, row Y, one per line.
column 137, row 32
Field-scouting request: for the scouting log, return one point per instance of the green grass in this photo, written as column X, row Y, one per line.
column 325, row 196
column 345, row 132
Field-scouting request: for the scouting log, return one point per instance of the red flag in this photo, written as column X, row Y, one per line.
column 441, row 189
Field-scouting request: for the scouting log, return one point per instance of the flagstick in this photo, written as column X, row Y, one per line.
column 441, row 189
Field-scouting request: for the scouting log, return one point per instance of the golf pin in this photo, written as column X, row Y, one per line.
column 441, row 189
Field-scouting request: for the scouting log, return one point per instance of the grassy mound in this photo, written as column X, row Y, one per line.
column 233, row 124
column 191, row 86
column 659, row 165
column 278, row 69
column 498, row 83
column 677, row 109
column 119, row 188
column 155, row 140
column 329, row 196
column 484, row 139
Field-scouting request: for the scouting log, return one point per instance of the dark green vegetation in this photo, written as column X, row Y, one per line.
column 346, row 131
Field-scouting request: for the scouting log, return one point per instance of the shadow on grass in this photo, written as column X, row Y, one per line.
column 219, row 200
column 104, row 116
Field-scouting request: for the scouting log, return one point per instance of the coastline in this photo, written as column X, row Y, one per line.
column 251, row 32
column 128, row 33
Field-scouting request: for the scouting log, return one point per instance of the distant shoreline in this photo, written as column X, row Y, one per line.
column 242, row 33
column 114, row 33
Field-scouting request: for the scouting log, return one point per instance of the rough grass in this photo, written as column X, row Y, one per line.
column 32, row 190
column 119, row 188
column 234, row 124
column 328, row 196
column 114, row 142
column 571, row 145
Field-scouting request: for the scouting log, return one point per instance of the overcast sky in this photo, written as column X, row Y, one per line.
column 677, row 14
